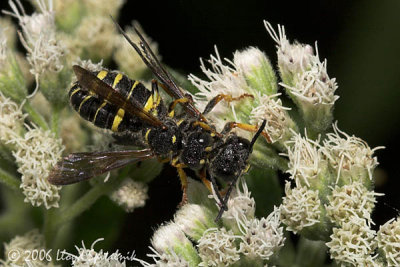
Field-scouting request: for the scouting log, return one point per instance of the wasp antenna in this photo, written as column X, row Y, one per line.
column 258, row 134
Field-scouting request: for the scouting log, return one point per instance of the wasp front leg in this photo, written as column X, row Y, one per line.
column 227, row 98
column 247, row 127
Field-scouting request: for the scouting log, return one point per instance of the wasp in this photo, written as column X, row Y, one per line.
column 111, row 100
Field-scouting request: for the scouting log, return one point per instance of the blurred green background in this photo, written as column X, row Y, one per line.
column 360, row 39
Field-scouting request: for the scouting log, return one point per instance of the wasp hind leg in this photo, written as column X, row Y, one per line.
column 227, row 98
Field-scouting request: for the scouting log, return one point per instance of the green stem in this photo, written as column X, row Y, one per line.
column 55, row 221
column 55, row 120
column 10, row 180
column 35, row 116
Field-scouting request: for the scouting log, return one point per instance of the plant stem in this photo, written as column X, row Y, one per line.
column 35, row 116
column 10, row 180
column 55, row 120
column 54, row 221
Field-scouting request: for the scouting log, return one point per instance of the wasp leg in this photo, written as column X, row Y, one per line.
column 184, row 183
column 227, row 98
column 203, row 174
column 247, row 127
column 206, row 127
column 171, row 108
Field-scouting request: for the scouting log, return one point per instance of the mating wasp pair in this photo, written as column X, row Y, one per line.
column 113, row 101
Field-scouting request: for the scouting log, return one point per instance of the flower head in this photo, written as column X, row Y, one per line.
column 194, row 220
column 350, row 200
column 217, row 247
column 279, row 122
column 306, row 164
column 388, row 238
column 256, row 69
column 301, row 207
column 130, row 195
column 306, row 80
column 36, row 153
column 15, row 250
column 171, row 239
column 45, row 52
column 11, row 117
column 262, row 237
column 353, row 243
column 350, row 156
column 96, row 37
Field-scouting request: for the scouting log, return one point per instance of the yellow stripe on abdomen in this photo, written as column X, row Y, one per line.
column 117, row 120
column 102, row 74
column 117, row 79
column 83, row 101
column 97, row 111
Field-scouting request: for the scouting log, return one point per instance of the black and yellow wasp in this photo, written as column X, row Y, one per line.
column 113, row 101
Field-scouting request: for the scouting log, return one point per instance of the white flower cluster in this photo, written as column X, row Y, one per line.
column 130, row 195
column 11, row 118
column 16, row 251
column 353, row 243
column 36, row 153
column 251, row 80
column 351, row 157
column 45, row 51
column 301, row 207
column 302, row 72
column 336, row 172
column 388, row 239
column 241, row 235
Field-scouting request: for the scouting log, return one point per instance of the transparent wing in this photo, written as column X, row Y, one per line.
column 78, row 167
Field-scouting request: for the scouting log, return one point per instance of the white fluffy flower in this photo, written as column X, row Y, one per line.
column 262, row 237
column 194, row 220
column 388, row 238
column 350, row 200
column 45, row 52
column 11, row 117
column 279, row 122
column 305, row 159
column 292, row 58
column 223, row 78
column 16, row 250
column 89, row 65
column 352, row 243
column 349, row 155
column 300, row 208
column 130, row 195
column 36, row 153
column 217, row 248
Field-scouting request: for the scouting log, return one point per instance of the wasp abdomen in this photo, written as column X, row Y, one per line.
column 105, row 115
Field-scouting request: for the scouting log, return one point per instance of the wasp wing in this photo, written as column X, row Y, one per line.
column 168, row 83
column 78, row 167
column 90, row 82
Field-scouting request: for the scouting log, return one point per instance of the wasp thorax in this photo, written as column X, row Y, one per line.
column 163, row 141
column 231, row 159
column 195, row 150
